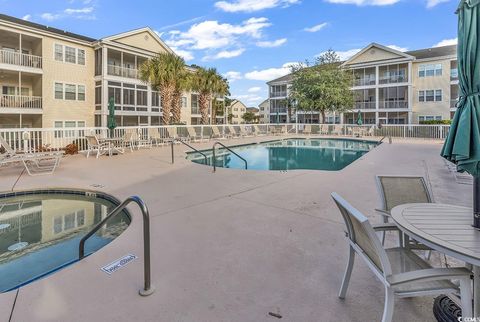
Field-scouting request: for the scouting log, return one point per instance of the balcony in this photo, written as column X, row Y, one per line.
column 22, row 102
column 393, row 79
column 119, row 71
column 367, row 81
column 195, row 110
column 279, row 110
column 18, row 59
column 454, row 74
column 364, row 106
column 393, row 104
column 453, row 103
column 278, row 94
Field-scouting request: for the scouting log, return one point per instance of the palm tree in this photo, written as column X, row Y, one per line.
column 222, row 89
column 206, row 83
column 163, row 73
column 182, row 84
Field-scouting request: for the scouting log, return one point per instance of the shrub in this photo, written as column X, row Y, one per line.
column 71, row 149
column 433, row 122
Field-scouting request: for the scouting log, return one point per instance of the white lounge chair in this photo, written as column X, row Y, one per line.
column 143, row 139
column 232, row 132
column 173, row 135
column 36, row 163
column 193, row 136
column 307, row 129
column 337, row 130
column 155, row 136
column 94, row 145
column 244, row 133
column 402, row 272
column 216, row 133
column 258, row 131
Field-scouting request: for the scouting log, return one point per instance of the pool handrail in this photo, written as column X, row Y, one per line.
column 225, row 147
column 148, row 288
column 191, row 147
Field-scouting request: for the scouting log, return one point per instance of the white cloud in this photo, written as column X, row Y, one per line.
column 27, row 17
column 433, row 3
column 365, row 2
column 211, row 34
column 249, row 99
column 254, row 89
column 49, row 16
column 269, row 73
column 86, row 10
column 446, row 42
column 252, row 5
column 185, row 54
column 225, row 54
column 395, row 47
column 346, row 54
column 271, row 44
column 316, row 27
column 232, row 76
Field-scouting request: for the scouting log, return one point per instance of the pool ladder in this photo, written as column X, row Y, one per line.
column 225, row 147
column 188, row 145
column 148, row 288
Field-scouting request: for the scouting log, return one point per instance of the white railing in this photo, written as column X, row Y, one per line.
column 29, row 139
column 19, row 59
column 122, row 71
column 18, row 101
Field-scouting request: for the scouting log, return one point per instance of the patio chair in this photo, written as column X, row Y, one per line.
column 34, row 162
column 244, row 133
column 370, row 131
column 337, row 130
column 259, row 132
column 399, row 190
column 307, row 129
column 143, row 139
column 402, row 272
column 129, row 140
column 93, row 144
column 232, row 132
column 193, row 136
column 155, row 136
column 216, row 133
column 324, row 129
column 172, row 134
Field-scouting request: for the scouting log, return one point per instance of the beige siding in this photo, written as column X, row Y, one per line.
column 432, row 83
column 374, row 54
column 67, row 73
column 237, row 109
column 143, row 40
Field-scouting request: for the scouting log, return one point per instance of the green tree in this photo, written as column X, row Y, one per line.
column 207, row 82
column 249, row 117
column 222, row 90
column 165, row 72
column 323, row 86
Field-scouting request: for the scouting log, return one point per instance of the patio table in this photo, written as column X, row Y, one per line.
column 113, row 145
column 447, row 229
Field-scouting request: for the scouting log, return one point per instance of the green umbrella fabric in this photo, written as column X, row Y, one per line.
column 359, row 118
column 112, row 124
column 462, row 145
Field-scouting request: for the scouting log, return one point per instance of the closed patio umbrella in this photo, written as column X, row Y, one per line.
column 359, row 118
column 462, row 145
column 111, row 124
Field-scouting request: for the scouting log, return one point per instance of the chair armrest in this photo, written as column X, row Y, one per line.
column 383, row 212
column 385, row 227
column 429, row 274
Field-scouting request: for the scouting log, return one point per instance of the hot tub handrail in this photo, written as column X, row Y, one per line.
column 148, row 288
column 188, row 145
column 226, row 147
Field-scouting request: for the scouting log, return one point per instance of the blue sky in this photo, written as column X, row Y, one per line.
column 252, row 41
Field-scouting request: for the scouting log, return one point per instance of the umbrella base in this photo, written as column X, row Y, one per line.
column 445, row 310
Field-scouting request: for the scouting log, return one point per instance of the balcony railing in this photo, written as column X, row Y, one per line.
column 394, row 104
column 393, row 79
column 453, row 103
column 19, row 59
column 364, row 81
column 114, row 70
column 17, row 101
column 278, row 94
column 278, row 110
column 364, row 105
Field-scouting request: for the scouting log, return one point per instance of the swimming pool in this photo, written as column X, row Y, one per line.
column 40, row 231
column 290, row 154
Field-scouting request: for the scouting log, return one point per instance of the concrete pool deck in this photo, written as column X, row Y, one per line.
column 229, row 246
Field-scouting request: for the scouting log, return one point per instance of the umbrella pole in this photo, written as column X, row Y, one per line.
column 476, row 202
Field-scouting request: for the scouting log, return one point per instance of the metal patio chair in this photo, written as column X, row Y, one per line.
column 95, row 145
column 402, row 272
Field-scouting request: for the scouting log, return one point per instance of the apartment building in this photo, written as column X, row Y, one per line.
column 389, row 87
column 236, row 110
column 264, row 111
column 53, row 78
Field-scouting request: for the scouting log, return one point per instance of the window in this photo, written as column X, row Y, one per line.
column 128, row 96
column 430, row 70
column 98, row 95
column 59, row 91
column 155, row 99
column 194, row 101
column 70, row 92
column 116, row 93
column 430, row 95
column 70, row 55
column 429, row 118
column 81, row 56
column 81, row 93
column 142, row 98
column 184, row 101
column 58, row 52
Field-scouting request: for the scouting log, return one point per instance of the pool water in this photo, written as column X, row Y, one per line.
column 40, row 232
column 290, row 154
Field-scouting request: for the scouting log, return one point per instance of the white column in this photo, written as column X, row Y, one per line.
column 104, row 109
column 377, row 93
column 410, row 93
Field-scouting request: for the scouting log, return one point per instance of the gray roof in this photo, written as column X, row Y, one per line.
column 45, row 28
column 285, row 78
column 433, row 52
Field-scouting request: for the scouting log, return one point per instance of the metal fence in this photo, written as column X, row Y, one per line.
column 31, row 139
